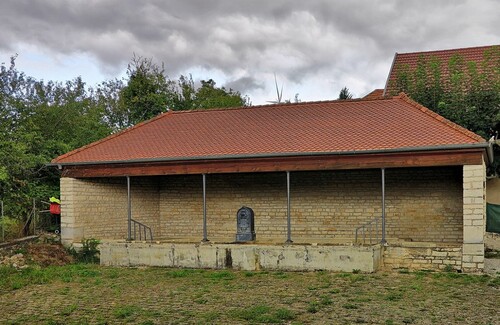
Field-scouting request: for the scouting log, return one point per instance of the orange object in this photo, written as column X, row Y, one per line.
column 55, row 208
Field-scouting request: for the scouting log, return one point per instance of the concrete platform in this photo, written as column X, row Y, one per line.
column 492, row 265
column 249, row 257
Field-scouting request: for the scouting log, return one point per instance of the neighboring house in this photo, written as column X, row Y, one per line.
column 375, row 94
column 486, row 61
column 408, row 62
column 334, row 185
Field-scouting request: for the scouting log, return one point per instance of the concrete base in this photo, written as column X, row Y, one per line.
column 243, row 256
column 492, row 265
column 492, row 241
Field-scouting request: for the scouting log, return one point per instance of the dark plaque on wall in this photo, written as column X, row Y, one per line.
column 245, row 230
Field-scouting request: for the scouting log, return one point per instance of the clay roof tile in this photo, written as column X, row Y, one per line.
column 298, row 128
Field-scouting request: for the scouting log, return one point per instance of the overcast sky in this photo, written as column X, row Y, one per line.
column 314, row 47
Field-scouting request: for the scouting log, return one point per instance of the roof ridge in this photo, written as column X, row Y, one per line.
column 315, row 102
column 439, row 118
column 109, row 137
column 451, row 50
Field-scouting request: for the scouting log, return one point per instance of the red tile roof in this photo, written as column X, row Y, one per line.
column 374, row 94
column 290, row 129
column 410, row 60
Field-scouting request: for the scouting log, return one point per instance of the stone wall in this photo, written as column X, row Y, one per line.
column 97, row 208
column 492, row 241
column 422, row 256
column 422, row 205
column 474, row 217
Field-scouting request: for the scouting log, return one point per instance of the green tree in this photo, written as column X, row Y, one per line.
column 210, row 96
column 148, row 91
column 469, row 93
column 345, row 94
column 107, row 95
column 40, row 121
column 206, row 96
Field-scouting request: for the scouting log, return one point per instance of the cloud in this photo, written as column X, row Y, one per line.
column 249, row 41
column 244, row 84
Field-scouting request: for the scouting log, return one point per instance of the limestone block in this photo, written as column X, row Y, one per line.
column 474, row 193
column 469, row 265
column 468, row 258
column 72, row 234
column 437, row 253
column 478, row 259
column 473, row 234
column 473, row 249
column 478, row 222
column 449, row 262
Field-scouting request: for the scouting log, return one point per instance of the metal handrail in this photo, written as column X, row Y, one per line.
column 368, row 228
column 143, row 230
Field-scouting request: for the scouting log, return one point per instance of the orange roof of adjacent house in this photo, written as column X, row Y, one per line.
column 337, row 126
column 374, row 94
column 410, row 60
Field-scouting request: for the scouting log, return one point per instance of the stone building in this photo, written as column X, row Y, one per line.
column 336, row 185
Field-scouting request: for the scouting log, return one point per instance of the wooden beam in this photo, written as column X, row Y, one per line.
column 301, row 163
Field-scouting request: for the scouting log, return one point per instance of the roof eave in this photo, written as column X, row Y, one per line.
column 478, row 145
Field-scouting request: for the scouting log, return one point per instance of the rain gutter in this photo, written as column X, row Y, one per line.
column 482, row 145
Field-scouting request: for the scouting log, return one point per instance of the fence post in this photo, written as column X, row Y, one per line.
column 2, row 223
column 34, row 216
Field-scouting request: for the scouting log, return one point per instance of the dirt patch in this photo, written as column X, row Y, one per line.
column 48, row 254
column 44, row 251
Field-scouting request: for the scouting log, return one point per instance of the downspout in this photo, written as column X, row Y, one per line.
column 489, row 150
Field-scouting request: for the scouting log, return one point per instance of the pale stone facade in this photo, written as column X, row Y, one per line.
column 474, row 216
column 97, row 208
column 442, row 206
column 423, row 256
column 421, row 205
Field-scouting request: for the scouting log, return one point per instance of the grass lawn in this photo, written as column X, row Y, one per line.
column 81, row 294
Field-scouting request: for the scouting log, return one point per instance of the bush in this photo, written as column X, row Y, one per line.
column 13, row 228
column 89, row 253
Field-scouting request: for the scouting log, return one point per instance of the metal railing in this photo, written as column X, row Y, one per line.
column 370, row 232
column 142, row 229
